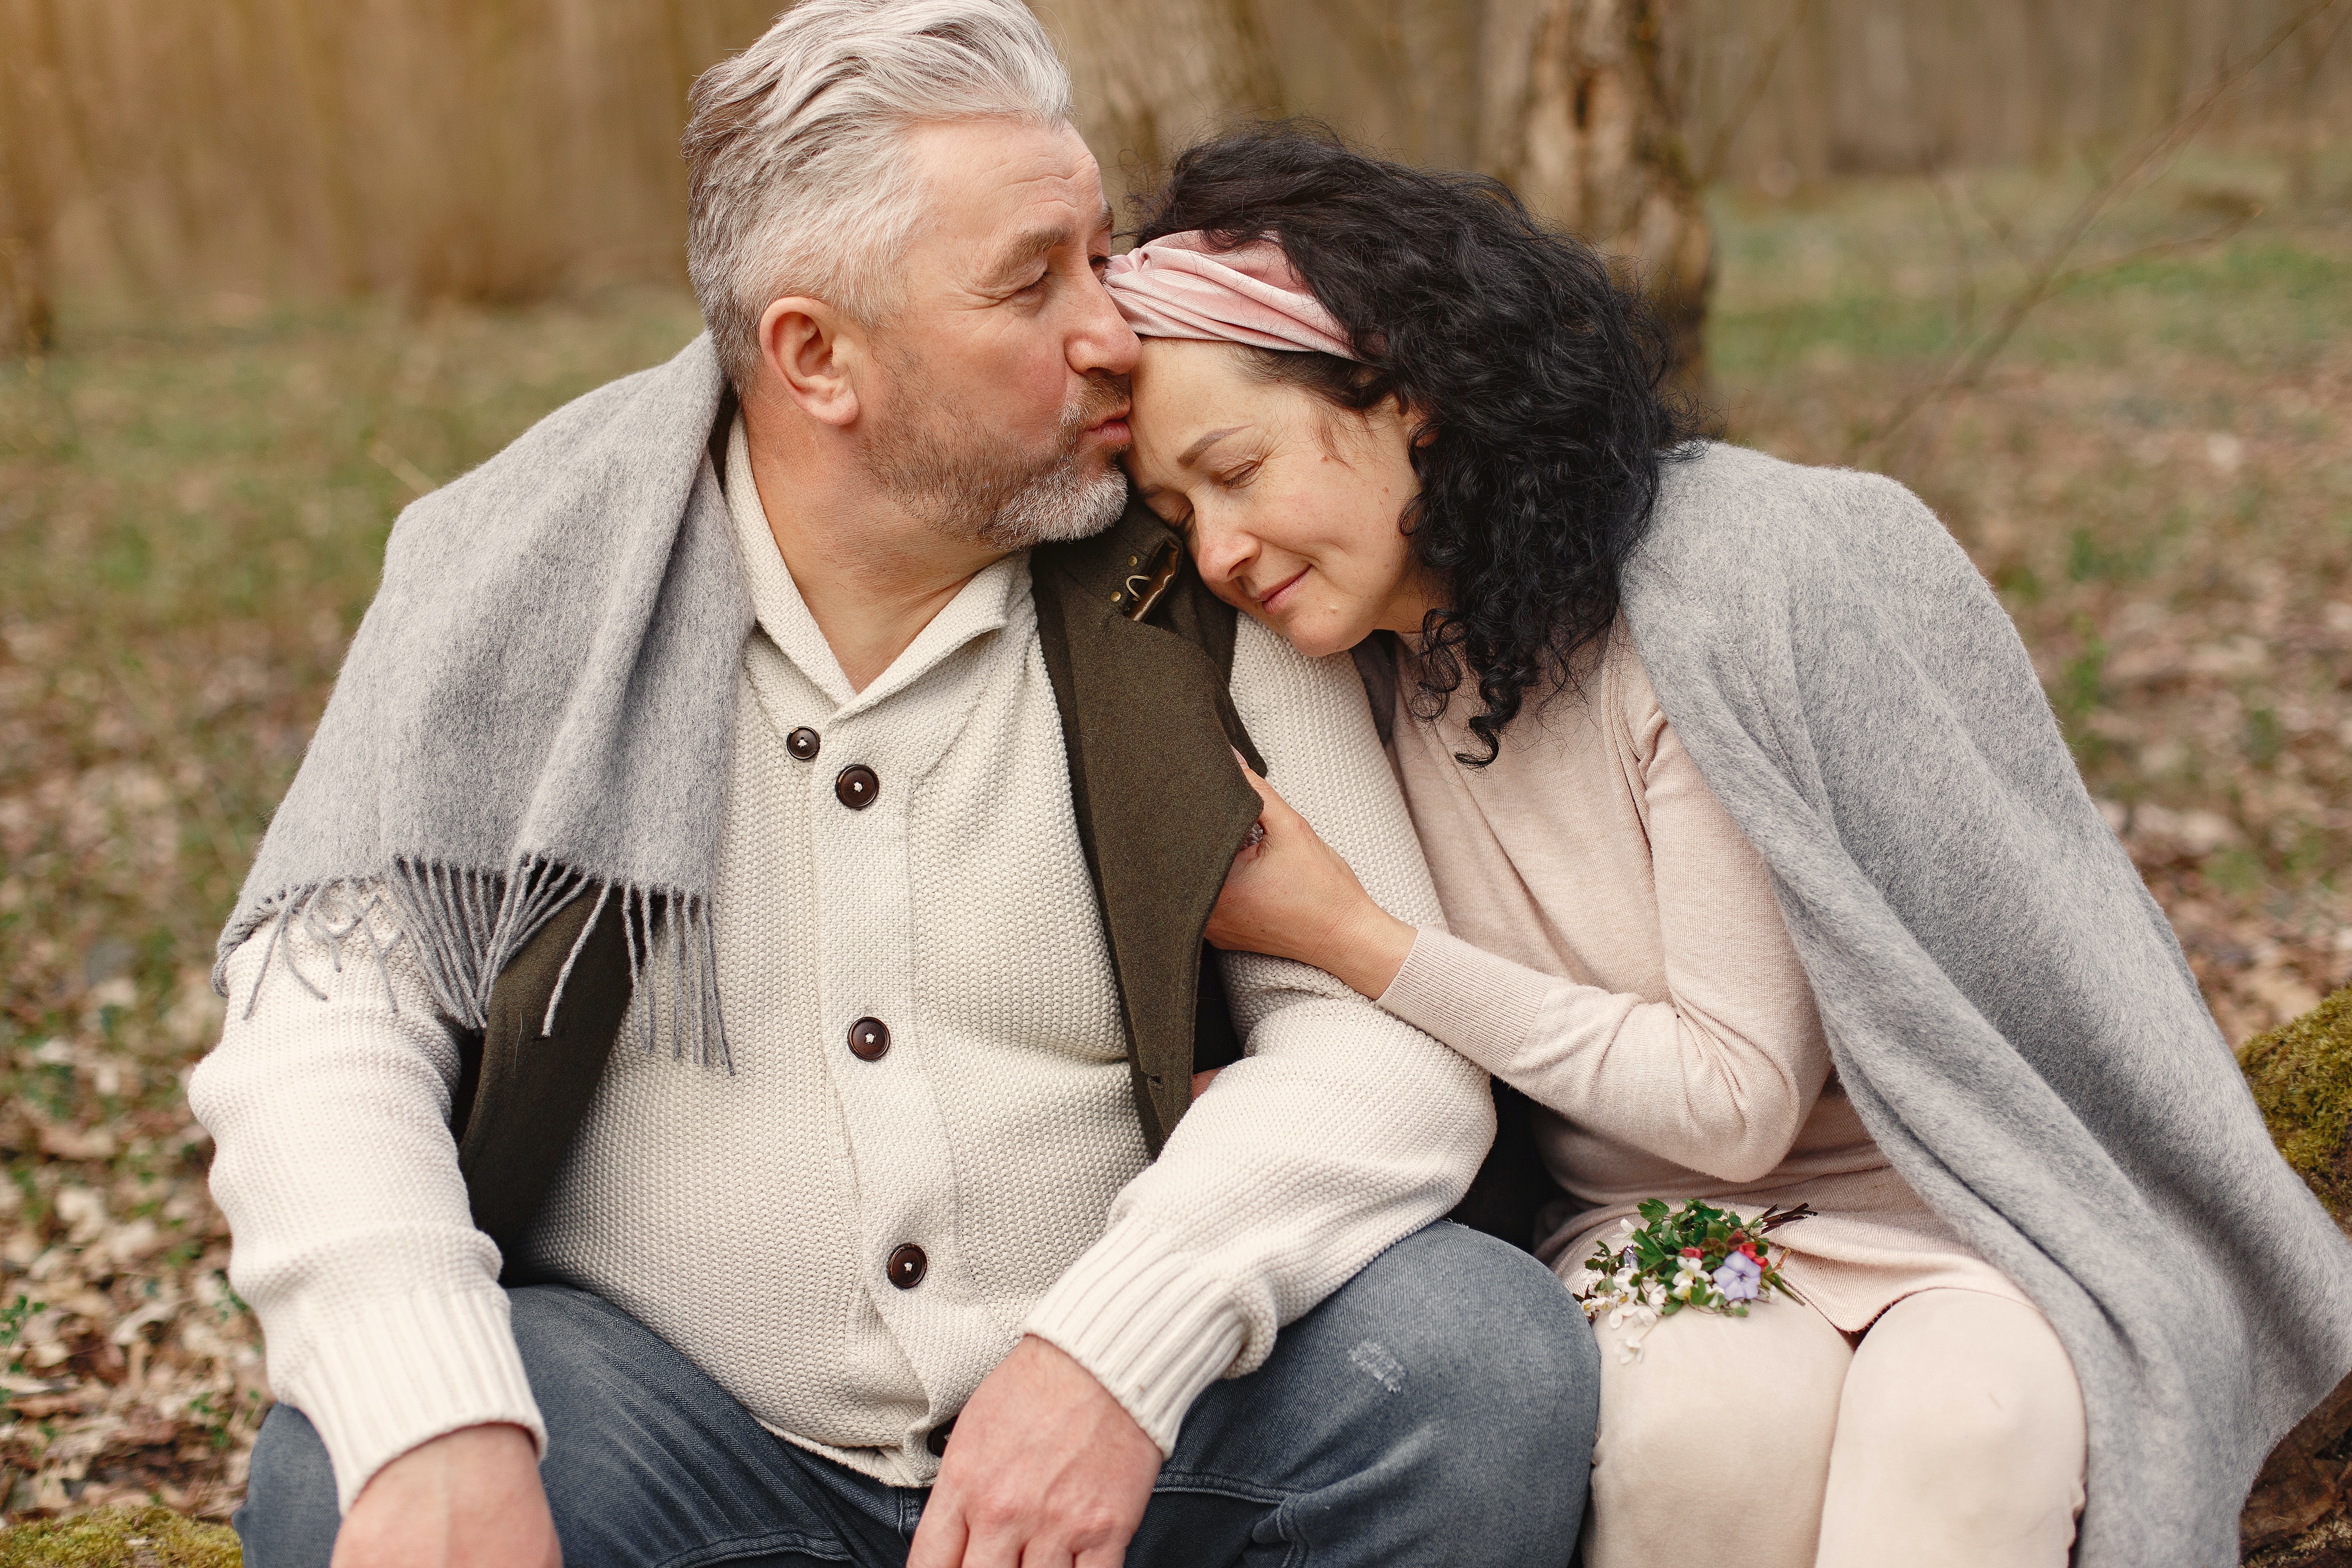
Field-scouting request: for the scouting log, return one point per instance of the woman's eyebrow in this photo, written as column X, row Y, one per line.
column 1184, row 459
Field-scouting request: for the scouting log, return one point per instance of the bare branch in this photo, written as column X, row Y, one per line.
column 1964, row 270
column 1718, row 150
column 1968, row 365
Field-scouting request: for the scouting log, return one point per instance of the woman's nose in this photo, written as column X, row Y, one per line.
column 1221, row 553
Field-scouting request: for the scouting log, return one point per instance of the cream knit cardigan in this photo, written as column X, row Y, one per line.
column 744, row 1215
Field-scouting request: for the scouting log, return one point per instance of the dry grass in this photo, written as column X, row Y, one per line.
column 2159, row 478
column 190, row 526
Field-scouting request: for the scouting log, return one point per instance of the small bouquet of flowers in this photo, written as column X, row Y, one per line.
column 1697, row 1255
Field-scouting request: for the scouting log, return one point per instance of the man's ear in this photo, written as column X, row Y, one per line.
column 813, row 353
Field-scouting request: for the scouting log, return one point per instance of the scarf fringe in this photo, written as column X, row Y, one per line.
column 465, row 925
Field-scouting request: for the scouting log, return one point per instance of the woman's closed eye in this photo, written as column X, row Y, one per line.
column 1174, row 514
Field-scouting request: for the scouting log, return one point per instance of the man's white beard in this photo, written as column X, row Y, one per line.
column 961, row 480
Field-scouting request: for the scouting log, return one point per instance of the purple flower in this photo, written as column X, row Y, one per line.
column 1738, row 1278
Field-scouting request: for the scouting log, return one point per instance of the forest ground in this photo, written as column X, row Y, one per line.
column 2156, row 475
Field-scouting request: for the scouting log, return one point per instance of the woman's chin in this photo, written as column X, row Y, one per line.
column 1313, row 636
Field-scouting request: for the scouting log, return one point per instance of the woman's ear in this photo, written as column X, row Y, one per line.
column 1421, row 427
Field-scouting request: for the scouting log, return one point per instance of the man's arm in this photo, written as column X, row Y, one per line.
column 353, row 1239
column 1342, row 1130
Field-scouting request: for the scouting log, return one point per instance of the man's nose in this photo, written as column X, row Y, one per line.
column 1103, row 342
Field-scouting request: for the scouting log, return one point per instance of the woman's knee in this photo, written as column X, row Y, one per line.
column 1686, row 1402
column 1678, row 1458
column 1968, row 1395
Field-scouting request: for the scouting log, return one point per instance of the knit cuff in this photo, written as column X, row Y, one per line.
column 1153, row 1326
column 1466, row 998
column 402, row 1372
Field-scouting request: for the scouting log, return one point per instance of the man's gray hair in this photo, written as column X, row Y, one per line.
column 799, row 177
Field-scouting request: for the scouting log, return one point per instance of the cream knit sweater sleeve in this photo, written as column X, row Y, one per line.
column 1342, row 1130
column 355, row 1245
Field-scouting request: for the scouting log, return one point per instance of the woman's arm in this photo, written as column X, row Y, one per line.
column 1718, row 1076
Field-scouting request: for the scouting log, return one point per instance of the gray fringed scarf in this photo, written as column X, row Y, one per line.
column 2006, row 1004
column 539, row 706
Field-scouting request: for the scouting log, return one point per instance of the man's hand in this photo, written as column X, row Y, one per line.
column 1045, row 1469
column 469, row 1499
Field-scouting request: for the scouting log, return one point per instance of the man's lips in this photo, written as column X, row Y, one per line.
column 1112, row 428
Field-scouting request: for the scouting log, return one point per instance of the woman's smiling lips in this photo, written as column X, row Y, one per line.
column 1274, row 600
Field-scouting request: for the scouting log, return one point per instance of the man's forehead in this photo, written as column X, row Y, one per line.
column 1000, row 183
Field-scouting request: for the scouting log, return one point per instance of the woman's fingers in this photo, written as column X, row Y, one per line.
column 1264, row 790
column 1274, row 810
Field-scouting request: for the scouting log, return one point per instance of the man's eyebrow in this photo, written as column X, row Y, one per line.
column 1026, row 246
column 1184, row 459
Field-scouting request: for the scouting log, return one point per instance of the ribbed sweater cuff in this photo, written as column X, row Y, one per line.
column 1153, row 1326
column 398, row 1372
column 1481, row 1006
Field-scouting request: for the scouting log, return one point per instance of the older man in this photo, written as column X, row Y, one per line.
column 787, row 716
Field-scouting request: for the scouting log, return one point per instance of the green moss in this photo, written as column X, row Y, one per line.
column 2302, row 1078
column 150, row 1538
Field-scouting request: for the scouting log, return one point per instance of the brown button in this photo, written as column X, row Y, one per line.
column 802, row 743
column 869, row 1039
column 906, row 1265
column 937, row 1441
column 856, row 786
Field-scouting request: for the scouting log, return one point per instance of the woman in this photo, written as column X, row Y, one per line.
column 1770, row 882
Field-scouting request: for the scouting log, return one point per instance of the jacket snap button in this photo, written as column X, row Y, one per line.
column 906, row 1265
column 857, row 787
column 803, row 743
column 869, row 1039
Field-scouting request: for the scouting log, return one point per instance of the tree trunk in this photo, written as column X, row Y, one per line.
column 1398, row 77
column 1583, row 120
column 1153, row 76
column 27, row 207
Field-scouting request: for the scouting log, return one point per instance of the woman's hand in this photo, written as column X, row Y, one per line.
column 1290, row 896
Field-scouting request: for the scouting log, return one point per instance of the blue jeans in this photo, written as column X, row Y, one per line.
column 1439, row 1408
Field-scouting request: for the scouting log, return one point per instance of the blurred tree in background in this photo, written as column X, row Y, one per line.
column 154, row 153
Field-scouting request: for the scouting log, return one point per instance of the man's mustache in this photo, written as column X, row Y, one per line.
column 1104, row 395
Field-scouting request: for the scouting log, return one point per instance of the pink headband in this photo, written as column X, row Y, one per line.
column 1178, row 287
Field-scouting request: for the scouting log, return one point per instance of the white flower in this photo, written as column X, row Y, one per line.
column 1644, row 1321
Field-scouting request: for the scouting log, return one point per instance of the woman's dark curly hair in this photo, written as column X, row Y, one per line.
column 1538, row 384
